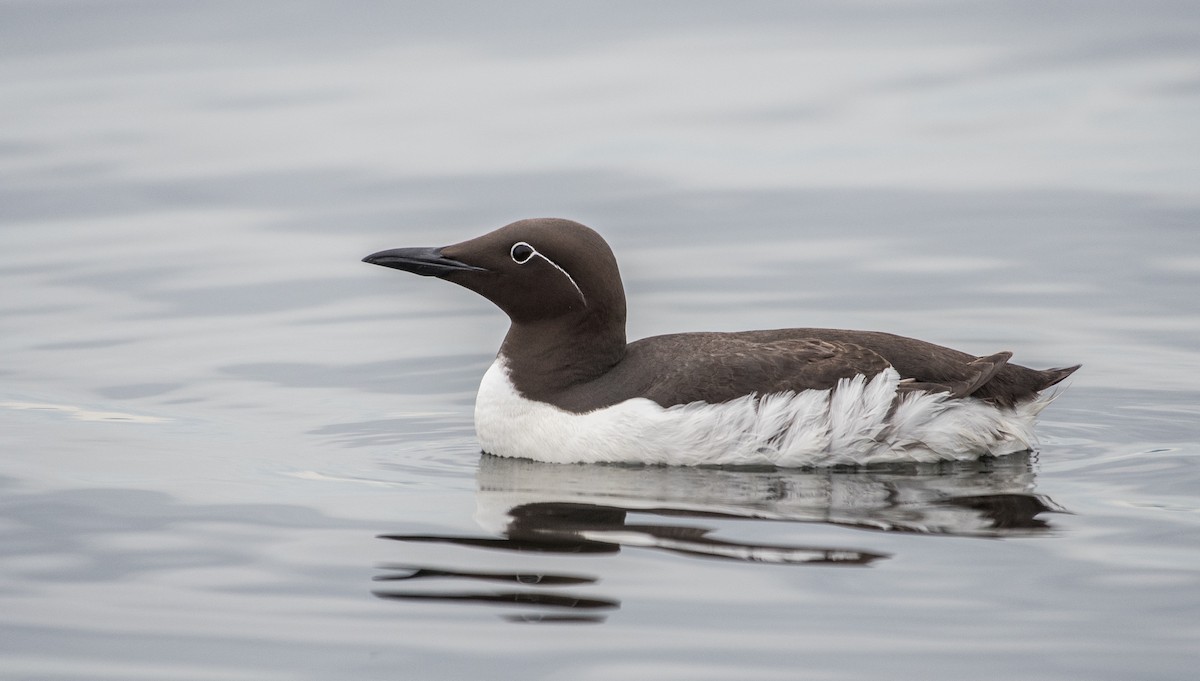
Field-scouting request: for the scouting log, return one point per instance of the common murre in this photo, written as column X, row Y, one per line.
column 566, row 387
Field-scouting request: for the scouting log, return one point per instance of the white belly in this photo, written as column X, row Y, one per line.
column 852, row 424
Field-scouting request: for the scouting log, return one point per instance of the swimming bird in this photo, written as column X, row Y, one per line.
column 567, row 387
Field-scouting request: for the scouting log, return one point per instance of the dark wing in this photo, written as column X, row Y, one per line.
column 975, row 374
column 717, row 368
column 937, row 368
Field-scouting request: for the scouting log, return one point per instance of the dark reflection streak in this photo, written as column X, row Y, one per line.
column 568, row 522
column 522, row 545
column 503, row 598
column 1010, row 511
column 529, row 579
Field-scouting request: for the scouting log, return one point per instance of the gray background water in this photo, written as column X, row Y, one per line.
column 209, row 409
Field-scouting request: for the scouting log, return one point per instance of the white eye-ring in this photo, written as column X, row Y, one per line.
column 521, row 252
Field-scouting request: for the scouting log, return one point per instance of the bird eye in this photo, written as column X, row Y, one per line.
column 521, row 252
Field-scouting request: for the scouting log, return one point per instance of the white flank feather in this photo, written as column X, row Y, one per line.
column 860, row 421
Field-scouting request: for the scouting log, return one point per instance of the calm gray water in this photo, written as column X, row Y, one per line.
column 233, row 451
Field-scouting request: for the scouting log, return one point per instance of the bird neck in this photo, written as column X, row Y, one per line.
column 546, row 357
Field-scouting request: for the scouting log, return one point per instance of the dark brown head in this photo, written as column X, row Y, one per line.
column 535, row 270
column 558, row 283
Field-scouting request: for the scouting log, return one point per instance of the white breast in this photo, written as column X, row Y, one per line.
column 854, row 423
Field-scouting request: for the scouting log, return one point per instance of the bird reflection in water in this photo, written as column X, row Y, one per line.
column 533, row 507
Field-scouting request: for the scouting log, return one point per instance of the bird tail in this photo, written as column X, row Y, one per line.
column 1055, row 376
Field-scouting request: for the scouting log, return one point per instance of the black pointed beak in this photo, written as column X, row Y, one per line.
column 427, row 262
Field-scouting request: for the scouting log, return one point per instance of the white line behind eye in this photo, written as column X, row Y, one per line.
column 538, row 254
